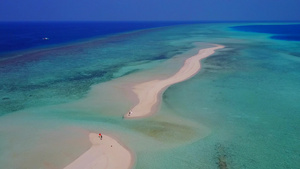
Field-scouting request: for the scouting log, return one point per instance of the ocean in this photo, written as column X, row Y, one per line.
column 17, row 36
column 240, row 111
column 288, row 32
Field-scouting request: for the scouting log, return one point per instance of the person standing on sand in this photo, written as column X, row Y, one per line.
column 100, row 136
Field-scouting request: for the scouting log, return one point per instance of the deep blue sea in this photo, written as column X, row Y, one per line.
column 26, row 35
column 289, row 32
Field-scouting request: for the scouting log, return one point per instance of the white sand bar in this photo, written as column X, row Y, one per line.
column 149, row 93
column 103, row 154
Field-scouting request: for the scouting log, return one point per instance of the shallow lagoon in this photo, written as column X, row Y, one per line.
column 241, row 110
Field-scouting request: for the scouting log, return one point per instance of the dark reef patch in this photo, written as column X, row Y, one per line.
column 166, row 131
column 221, row 156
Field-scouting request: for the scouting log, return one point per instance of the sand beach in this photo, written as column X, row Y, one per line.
column 106, row 153
column 149, row 93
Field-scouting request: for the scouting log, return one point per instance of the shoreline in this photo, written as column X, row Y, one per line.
column 149, row 93
column 107, row 153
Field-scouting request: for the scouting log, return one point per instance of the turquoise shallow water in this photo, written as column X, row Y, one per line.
column 240, row 111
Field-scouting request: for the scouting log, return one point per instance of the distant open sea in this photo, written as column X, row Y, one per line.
column 289, row 32
column 240, row 111
column 16, row 36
